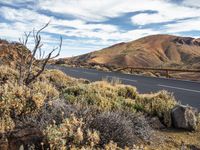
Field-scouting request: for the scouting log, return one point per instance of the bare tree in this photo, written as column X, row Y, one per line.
column 30, row 67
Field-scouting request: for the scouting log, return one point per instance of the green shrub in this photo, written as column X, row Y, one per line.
column 56, row 78
column 159, row 104
column 103, row 95
column 127, row 91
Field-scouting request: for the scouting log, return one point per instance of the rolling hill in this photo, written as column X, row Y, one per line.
column 10, row 53
column 150, row 51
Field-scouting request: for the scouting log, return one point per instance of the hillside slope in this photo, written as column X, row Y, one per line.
column 150, row 51
column 10, row 53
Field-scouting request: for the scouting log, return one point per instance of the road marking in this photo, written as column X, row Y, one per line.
column 178, row 88
column 91, row 73
column 122, row 78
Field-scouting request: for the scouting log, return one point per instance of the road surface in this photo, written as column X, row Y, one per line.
column 187, row 92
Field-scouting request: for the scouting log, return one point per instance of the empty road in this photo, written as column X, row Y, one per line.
column 187, row 92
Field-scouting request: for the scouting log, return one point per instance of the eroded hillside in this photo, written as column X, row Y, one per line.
column 150, row 51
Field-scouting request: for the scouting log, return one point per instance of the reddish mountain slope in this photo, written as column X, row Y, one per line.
column 9, row 53
column 150, row 51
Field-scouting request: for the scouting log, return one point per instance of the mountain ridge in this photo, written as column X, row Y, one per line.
column 150, row 51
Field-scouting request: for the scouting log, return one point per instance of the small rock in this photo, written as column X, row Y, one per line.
column 184, row 117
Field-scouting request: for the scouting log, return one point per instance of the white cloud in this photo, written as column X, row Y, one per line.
column 95, row 10
column 29, row 19
column 165, row 13
column 145, row 18
column 98, row 10
column 184, row 25
column 193, row 3
column 25, row 20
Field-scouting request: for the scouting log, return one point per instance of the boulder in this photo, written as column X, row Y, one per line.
column 184, row 117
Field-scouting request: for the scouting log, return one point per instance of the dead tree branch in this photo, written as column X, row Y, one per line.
column 28, row 62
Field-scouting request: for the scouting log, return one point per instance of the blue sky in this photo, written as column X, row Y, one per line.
column 88, row 25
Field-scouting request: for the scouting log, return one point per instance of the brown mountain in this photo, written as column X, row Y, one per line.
column 10, row 53
column 150, row 51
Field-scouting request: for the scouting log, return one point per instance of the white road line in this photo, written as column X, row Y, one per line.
column 178, row 88
column 92, row 73
column 122, row 78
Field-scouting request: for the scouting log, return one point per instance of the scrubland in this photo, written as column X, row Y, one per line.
column 60, row 112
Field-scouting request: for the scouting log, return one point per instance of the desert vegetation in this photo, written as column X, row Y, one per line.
column 56, row 111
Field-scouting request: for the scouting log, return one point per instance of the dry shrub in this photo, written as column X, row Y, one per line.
column 8, row 74
column 114, row 127
column 56, row 77
column 17, row 101
column 13, row 96
column 159, row 104
column 123, row 129
column 52, row 111
column 73, row 134
column 102, row 95
column 113, row 81
column 12, row 102
column 127, row 91
column 70, row 135
column 43, row 91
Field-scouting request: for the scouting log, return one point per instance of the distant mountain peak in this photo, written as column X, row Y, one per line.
column 149, row 51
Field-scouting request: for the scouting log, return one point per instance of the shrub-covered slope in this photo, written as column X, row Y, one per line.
column 60, row 112
column 10, row 53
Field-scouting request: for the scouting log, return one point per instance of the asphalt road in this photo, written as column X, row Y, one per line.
column 187, row 92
